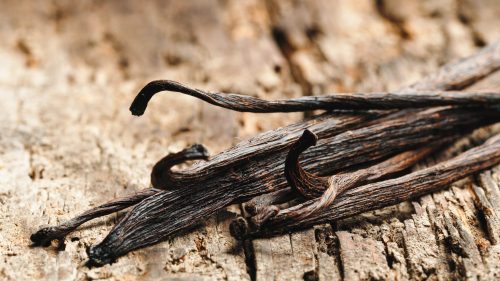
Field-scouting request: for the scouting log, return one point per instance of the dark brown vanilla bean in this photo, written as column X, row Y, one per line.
column 338, row 101
column 460, row 74
column 380, row 194
column 311, row 186
column 44, row 236
column 280, row 196
column 299, row 180
column 451, row 77
column 345, row 180
column 377, row 140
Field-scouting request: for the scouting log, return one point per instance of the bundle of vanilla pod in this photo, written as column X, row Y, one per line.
column 357, row 156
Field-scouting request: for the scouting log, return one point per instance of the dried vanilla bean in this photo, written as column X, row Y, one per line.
column 311, row 186
column 453, row 76
column 256, row 204
column 424, row 93
column 44, row 236
column 337, row 101
column 460, row 74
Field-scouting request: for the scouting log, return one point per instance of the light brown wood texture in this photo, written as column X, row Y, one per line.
column 69, row 70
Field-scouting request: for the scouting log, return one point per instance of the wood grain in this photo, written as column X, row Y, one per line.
column 67, row 140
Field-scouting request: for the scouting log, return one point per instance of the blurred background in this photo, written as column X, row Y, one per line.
column 70, row 69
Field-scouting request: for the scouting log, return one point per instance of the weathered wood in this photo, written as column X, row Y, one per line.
column 328, row 261
column 489, row 204
column 368, row 264
column 64, row 147
column 295, row 252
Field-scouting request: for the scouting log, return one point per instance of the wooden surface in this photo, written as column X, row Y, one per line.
column 69, row 71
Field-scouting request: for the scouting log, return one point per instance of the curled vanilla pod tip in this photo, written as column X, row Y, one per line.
column 301, row 181
column 163, row 178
